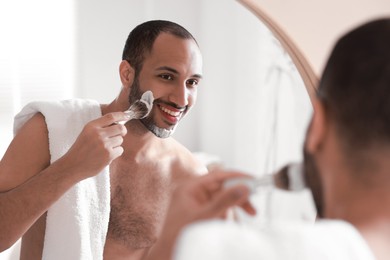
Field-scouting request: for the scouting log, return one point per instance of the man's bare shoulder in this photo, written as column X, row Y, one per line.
column 184, row 159
column 27, row 154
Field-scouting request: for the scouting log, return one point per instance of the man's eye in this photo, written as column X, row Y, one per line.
column 192, row 82
column 166, row 76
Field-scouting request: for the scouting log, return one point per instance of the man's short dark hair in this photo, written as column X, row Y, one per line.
column 355, row 86
column 141, row 38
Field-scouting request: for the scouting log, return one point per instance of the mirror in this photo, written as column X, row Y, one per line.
column 252, row 107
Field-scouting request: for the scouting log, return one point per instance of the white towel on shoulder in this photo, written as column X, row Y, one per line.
column 76, row 225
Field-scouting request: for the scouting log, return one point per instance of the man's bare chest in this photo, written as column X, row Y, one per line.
column 139, row 200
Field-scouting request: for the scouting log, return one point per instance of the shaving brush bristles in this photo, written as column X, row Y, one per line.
column 290, row 178
column 281, row 179
column 140, row 108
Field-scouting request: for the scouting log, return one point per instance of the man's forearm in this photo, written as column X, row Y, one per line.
column 23, row 205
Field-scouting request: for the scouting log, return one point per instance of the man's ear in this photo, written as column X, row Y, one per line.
column 318, row 127
column 126, row 73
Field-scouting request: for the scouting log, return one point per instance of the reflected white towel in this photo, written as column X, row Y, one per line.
column 325, row 240
column 77, row 223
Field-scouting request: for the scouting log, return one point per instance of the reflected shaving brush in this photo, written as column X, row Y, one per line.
column 289, row 178
column 140, row 108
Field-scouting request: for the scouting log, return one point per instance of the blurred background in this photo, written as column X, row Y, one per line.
column 252, row 109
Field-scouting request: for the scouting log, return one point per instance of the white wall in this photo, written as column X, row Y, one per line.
column 36, row 56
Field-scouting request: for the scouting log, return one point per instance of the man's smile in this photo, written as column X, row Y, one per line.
column 171, row 114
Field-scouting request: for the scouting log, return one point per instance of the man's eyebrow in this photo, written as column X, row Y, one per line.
column 168, row 69
column 197, row 76
column 176, row 72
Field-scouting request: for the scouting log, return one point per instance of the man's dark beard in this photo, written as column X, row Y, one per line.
column 312, row 177
column 148, row 122
column 313, row 181
column 135, row 92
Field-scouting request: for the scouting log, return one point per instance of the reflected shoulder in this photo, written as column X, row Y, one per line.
column 27, row 154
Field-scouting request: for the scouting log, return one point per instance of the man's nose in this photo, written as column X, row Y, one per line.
column 180, row 95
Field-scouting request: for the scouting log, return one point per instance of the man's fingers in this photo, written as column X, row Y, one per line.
column 116, row 141
column 215, row 179
column 237, row 195
column 105, row 126
column 248, row 208
column 116, row 152
column 114, row 130
column 111, row 118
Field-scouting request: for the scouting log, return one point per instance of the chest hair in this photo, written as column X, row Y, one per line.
column 139, row 200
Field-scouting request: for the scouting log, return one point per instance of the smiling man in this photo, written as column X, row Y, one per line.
column 118, row 213
column 164, row 58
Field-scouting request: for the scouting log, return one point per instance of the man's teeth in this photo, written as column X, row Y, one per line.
column 170, row 112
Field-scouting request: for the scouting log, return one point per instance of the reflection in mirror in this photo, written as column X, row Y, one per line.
column 252, row 106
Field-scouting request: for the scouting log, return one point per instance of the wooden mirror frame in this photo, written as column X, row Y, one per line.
column 310, row 79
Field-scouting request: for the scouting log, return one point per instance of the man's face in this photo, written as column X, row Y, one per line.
column 172, row 71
